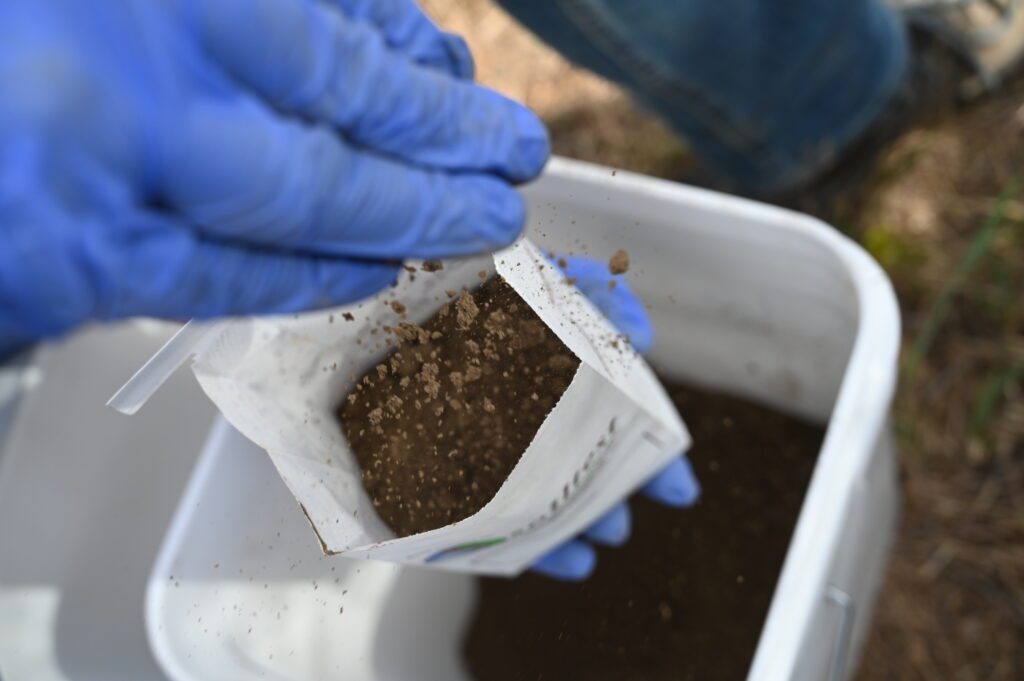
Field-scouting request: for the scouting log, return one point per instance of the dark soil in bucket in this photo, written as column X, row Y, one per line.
column 439, row 425
column 686, row 598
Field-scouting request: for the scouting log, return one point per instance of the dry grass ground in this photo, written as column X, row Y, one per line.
column 947, row 222
column 946, row 219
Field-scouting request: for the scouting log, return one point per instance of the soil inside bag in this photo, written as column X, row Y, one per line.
column 439, row 424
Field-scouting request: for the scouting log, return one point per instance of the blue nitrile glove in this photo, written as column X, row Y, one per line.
column 675, row 485
column 183, row 158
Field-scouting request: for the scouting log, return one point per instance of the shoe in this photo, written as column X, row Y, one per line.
column 960, row 51
column 987, row 34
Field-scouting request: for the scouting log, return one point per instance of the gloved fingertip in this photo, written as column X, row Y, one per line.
column 469, row 215
column 342, row 285
column 573, row 561
column 640, row 333
column 533, row 145
column 613, row 528
column 460, row 59
column 515, row 215
column 676, row 485
column 507, row 219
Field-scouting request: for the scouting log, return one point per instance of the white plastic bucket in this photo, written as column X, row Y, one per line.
column 85, row 498
column 757, row 301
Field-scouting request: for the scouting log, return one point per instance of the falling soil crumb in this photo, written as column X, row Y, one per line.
column 563, row 263
column 612, row 284
column 347, row 316
column 438, row 426
column 397, row 307
column 432, row 266
column 691, row 580
column 619, row 262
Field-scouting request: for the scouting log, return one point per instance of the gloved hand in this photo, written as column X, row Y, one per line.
column 182, row 158
column 675, row 485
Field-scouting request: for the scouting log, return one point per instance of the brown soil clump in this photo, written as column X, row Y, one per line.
column 686, row 598
column 439, row 425
column 619, row 262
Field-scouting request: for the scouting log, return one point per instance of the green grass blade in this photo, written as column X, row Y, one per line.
column 980, row 245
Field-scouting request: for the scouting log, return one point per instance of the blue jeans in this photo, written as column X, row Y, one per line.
column 767, row 92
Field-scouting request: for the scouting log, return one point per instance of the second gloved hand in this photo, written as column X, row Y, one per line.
column 675, row 485
column 183, row 158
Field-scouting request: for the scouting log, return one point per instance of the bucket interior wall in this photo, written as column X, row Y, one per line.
column 754, row 309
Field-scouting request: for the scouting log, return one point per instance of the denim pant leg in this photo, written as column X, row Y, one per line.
column 766, row 91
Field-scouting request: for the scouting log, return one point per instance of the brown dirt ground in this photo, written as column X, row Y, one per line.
column 953, row 604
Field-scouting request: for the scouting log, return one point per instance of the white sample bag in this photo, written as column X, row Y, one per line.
column 280, row 380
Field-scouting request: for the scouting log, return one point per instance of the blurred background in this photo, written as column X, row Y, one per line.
column 945, row 218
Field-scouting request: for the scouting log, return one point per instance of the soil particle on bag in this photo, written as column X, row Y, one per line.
column 466, row 311
column 619, row 262
column 687, row 597
column 438, row 426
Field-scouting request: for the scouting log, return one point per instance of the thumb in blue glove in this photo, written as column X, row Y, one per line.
column 675, row 485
